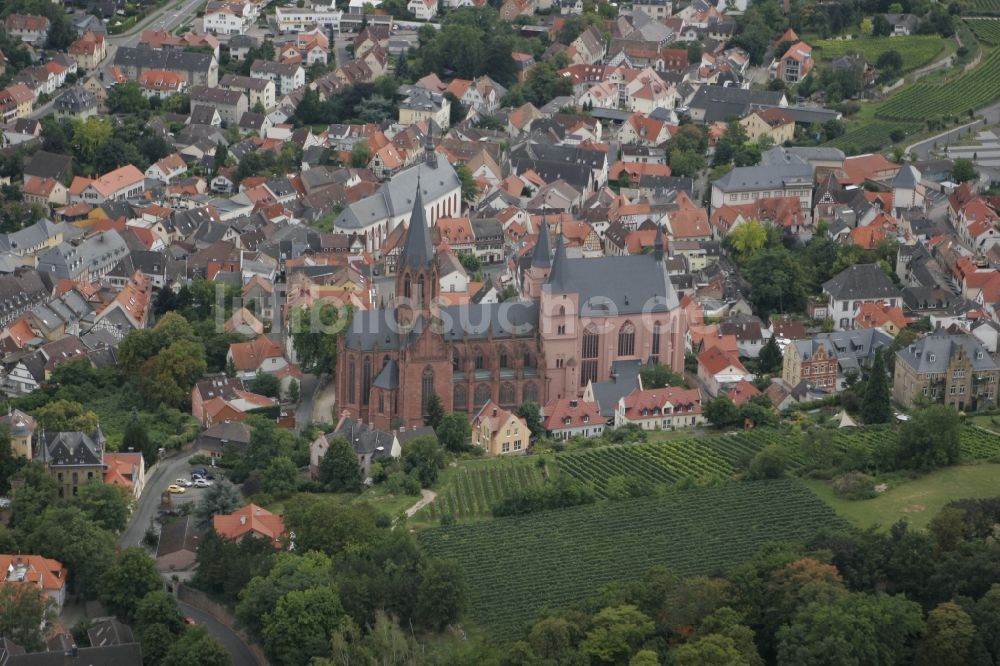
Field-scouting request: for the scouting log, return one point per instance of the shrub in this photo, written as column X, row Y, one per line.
column 854, row 486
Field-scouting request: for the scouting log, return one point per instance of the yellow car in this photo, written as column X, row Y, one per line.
column 177, row 490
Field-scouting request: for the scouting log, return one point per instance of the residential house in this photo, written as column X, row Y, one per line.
column 286, row 77
column 260, row 91
column 660, row 409
column 221, row 438
column 16, row 101
column 498, row 431
column 772, row 122
column 126, row 470
column 855, row 285
column 825, row 360
column 29, row 28
column 177, row 549
column 165, row 170
column 258, row 355
column 423, row 10
column 570, row 417
column 72, row 458
column 77, row 102
column 197, row 69
column 902, row 24
column 955, row 370
column 48, row 575
column 795, row 64
column 251, row 520
column 22, row 428
column 160, row 83
column 421, row 105
column 787, row 176
column 719, row 369
column 231, row 104
column 89, row 50
column 125, row 182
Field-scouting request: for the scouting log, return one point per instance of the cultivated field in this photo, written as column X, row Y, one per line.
column 515, row 567
column 924, row 101
column 916, row 50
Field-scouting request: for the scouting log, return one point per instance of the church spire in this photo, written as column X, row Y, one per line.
column 542, row 256
column 558, row 278
column 430, row 156
column 417, row 251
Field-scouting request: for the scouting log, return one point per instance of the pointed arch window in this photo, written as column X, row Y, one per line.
column 626, row 339
column 426, row 388
column 507, row 394
column 460, row 398
column 483, row 394
column 366, row 380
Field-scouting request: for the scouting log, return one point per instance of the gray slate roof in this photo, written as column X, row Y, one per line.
column 930, row 355
column 366, row 439
column 853, row 349
column 861, row 281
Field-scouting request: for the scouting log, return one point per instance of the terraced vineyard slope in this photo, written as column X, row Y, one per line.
column 515, row 567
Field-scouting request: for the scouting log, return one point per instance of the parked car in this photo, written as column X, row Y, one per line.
column 202, row 483
column 177, row 490
column 182, row 482
column 190, row 620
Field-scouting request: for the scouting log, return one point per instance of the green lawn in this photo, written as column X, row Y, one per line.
column 919, row 500
column 916, row 50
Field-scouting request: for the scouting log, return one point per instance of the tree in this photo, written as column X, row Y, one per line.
column 292, row 394
column 338, row 469
column 220, row 159
column 67, row 534
column 132, row 576
column 37, row 490
column 441, row 595
column 881, row 26
column 127, row 98
column 433, row 411
column 301, row 625
column 877, row 404
column 195, row 646
column 454, row 432
column 360, row 155
column 65, row 416
column 219, row 498
column 156, row 640
column 660, row 376
column 137, row 439
column 282, row 477
column 290, row 572
column 314, row 335
column 694, row 52
column 949, row 636
column 687, row 163
column 616, row 633
column 769, row 463
column 424, row 458
column 931, row 438
column 24, row 611
column 770, row 359
column 328, row 525
column 469, row 188
column 962, row 171
column 748, row 238
column 867, row 26
column 721, row 412
column 265, row 383
column 777, row 281
column 169, row 376
column 105, row 504
column 709, row 650
column 532, row 415
column 159, row 607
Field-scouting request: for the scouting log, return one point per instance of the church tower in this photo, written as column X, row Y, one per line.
column 541, row 264
column 559, row 309
column 416, row 274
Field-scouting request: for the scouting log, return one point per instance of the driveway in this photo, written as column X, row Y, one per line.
column 236, row 648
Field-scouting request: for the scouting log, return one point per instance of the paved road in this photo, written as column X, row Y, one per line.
column 307, row 397
column 236, row 648
column 149, row 501
column 989, row 115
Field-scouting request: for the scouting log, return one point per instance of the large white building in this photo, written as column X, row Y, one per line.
column 301, row 18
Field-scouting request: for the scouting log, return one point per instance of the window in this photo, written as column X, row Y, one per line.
column 350, row 380
column 655, row 349
column 460, row 398
column 507, row 394
column 961, row 389
column 588, row 368
column 482, row 394
column 505, row 447
column 958, row 374
column 529, row 392
column 366, row 380
column 517, row 445
column 561, row 329
column 527, row 358
column 559, row 362
column 407, row 291
column 479, row 359
column 381, row 402
column 456, row 361
column 426, row 388
column 503, row 359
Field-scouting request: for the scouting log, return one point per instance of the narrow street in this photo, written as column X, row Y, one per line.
column 149, row 501
column 236, row 648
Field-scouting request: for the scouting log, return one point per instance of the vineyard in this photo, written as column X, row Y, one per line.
column 986, row 30
column 925, row 101
column 987, row 7
column 515, row 567
column 473, row 489
column 870, row 137
column 469, row 491
column 916, row 50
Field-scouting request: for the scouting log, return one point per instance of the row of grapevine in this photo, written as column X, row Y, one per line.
column 515, row 567
column 924, row 101
column 986, row 30
column 915, row 50
column 988, row 7
column 473, row 490
column 871, row 137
